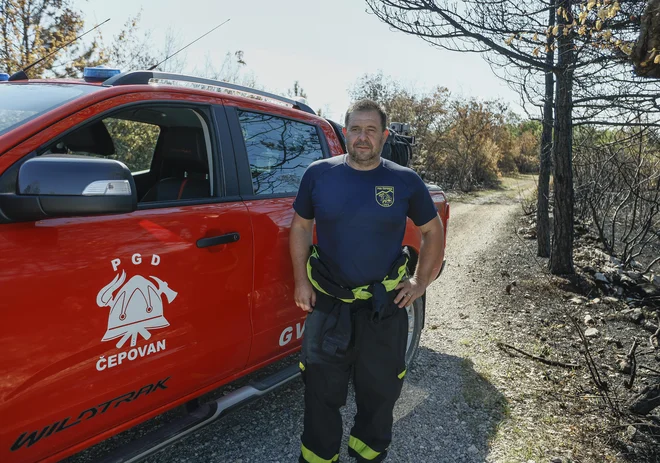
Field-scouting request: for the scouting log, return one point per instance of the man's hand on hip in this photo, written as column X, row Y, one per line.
column 305, row 296
column 431, row 254
column 411, row 289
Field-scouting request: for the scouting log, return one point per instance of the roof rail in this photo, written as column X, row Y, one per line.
column 143, row 77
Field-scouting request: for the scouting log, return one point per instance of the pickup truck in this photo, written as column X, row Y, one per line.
column 144, row 222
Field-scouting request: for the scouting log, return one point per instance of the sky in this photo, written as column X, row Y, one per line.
column 325, row 45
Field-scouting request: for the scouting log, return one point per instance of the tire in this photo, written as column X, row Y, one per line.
column 415, row 324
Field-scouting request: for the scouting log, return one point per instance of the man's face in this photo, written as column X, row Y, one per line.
column 364, row 136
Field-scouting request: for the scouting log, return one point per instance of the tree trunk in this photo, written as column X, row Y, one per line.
column 542, row 214
column 647, row 42
column 561, row 257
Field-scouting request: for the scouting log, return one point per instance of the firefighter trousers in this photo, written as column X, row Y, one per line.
column 376, row 359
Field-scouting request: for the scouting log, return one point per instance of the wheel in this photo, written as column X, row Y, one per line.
column 415, row 324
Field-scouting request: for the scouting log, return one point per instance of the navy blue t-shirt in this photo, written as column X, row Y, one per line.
column 361, row 215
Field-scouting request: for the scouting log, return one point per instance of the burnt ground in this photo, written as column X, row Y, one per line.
column 556, row 413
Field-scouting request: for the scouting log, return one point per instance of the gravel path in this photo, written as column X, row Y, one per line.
column 447, row 412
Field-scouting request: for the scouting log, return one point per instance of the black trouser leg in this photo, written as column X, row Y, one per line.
column 378, row 378
column 326, row 387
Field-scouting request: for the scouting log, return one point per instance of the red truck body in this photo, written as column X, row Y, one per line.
column 77, row 368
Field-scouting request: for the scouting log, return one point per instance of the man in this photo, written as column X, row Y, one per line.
column 351, row 284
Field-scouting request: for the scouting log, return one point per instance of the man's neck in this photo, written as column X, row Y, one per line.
column 357, row 165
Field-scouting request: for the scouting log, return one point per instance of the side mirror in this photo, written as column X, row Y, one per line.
column 65, row 186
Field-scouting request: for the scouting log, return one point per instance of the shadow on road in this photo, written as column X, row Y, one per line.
column 447, row 412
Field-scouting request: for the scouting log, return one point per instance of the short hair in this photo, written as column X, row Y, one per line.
column 367, row 105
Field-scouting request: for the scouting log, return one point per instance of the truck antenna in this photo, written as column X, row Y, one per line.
column 22, row 74
column 181, row 49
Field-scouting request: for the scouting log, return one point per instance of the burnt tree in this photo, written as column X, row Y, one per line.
column 561, row 256
column 647, row 47
column 543, row 191
column 502, row 28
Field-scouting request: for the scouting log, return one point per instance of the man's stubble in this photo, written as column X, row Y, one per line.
column 365, row 158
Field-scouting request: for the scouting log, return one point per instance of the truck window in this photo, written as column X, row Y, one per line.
column 135, row 142
column 168, row 149
column 279, row 150
column 20, row 103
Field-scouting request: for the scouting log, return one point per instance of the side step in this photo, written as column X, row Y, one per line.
column 197, row 419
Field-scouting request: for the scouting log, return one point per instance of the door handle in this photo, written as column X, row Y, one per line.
column 217, row 240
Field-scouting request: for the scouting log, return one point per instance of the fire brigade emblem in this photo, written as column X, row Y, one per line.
column 135, row 307
column 385, row 195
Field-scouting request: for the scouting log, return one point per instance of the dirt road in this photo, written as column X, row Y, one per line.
column 448, row 411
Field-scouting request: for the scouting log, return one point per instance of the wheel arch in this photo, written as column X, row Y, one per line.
column 412, row 265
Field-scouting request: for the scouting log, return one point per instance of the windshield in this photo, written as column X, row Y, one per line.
column 20, row 103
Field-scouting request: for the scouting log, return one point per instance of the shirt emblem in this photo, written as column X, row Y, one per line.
column 385, row 195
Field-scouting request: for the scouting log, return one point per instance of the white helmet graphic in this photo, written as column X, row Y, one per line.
column 136, row 307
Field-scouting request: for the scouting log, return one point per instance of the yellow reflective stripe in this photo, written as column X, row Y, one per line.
column 315, row 254
column 362, row 449
column 390, row 285
column 311, row 457
column 359, row 293
column 302, row 367
column 400, row 376
column 362, row 293
column 315, row 283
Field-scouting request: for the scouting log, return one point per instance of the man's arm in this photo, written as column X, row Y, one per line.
column 300, row 240
column 431, row 252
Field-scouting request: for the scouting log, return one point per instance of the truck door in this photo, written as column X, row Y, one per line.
column 114, row 318
column 273, row 152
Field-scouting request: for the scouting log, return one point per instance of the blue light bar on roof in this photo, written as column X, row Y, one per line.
column 99, row 73
column 4, row 77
